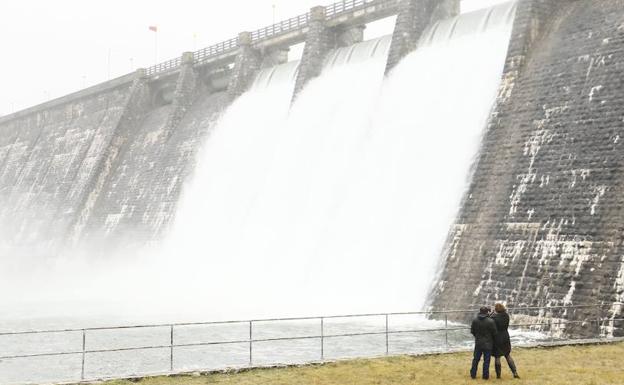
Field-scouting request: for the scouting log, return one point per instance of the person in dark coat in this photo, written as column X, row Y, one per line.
column 483, row 329
column 502, row 343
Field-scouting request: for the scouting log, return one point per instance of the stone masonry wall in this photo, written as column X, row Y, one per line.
column 320, row 40
column 415, row 17
column 140, row 197
column 46, row 158
column 542, row 221
column 248, row 62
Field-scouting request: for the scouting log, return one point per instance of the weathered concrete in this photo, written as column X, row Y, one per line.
column 133, row 209
column 135, row 107
column 413, row 19
column 184, row 95
column 320, row 40
column 47, row 161
column 248, row 62
column 541, row 223
column 274, row 56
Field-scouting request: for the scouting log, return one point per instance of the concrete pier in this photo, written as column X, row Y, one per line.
column 413, row 19
column 248, row 61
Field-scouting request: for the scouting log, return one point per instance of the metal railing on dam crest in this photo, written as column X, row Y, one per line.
column 296, row 23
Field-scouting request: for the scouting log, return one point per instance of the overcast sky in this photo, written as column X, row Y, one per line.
column 51, row 48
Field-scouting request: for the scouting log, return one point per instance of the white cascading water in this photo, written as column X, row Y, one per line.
column 342, row 203
column 338, row 204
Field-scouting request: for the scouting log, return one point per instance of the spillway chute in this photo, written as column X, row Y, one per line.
column 360, row 52
column 467, row 24
column 279, row 74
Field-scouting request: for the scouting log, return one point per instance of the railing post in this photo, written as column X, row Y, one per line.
column 322, row 339
column 446, row 329
column 171, row 349
column 250, row 343
column 84, row 352
column 598, row 320
column 387, row 342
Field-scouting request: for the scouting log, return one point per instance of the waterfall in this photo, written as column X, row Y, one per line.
column 342, row 202
column 338, row 203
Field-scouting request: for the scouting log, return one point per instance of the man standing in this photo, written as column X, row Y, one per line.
column 483, row 329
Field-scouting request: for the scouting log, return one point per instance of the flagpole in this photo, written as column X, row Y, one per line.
column 156, row 46
column 154, row 28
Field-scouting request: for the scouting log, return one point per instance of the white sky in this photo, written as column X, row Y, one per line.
column 52, row 48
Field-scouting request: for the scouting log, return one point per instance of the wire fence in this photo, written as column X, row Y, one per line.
column 384, row 329
column 283, row 27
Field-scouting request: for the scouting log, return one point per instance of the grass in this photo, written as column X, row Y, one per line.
column 570, row 365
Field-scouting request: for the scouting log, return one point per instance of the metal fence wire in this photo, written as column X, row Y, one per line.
column 542, row 318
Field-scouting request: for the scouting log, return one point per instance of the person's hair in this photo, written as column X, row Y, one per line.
column 500, row 308
column 484, row 310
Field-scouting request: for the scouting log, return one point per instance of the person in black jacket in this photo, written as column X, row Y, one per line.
column 502, row 343
column 483, row 329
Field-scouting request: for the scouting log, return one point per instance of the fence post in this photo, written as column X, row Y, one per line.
column 84, row 352
column 598, row 320
column 322, row 338
column 250, row 343
column 171, row 349
column 387, row 343
column 446, row 329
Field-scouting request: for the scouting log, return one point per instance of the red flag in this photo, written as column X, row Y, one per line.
column 153, row 28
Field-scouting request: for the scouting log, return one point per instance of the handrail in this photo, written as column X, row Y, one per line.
column 163, row 67
column 294, row 23
column 322, row 336
column 281, row 27
column 206, row 53
column 307, row 318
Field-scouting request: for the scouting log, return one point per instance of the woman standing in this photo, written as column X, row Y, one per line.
column 502, row 344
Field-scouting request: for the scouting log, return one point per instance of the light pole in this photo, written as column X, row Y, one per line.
column 273, row 13
column 154, row 28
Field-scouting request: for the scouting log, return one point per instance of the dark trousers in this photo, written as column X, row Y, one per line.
column 487, row 354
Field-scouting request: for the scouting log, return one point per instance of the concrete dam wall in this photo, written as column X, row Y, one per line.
column 104, row 167
column 540, row 224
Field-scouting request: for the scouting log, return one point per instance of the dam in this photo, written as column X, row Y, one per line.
column 343, row 173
